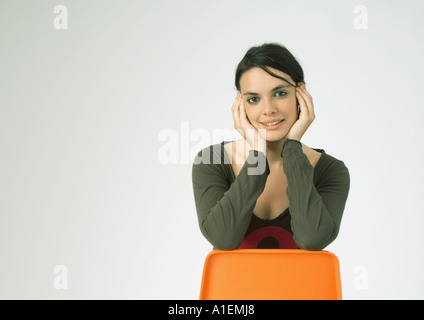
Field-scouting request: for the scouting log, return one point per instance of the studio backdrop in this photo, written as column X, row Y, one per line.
column 104, row 105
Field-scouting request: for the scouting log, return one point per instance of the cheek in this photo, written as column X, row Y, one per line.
column 288, row 105
column 252, row 114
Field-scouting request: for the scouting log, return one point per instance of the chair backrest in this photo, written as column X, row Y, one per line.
column 271, row 274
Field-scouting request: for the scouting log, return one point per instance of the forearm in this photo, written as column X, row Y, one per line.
column 224, row 225
column 312, row 225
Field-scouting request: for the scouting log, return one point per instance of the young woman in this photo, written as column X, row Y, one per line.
column 298, row 199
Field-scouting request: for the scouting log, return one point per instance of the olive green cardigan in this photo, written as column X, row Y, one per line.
column 225, row 203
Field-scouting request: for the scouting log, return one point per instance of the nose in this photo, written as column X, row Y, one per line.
column 268, row 107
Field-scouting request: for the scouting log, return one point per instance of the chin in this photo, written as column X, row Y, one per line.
column 275, row 139
column 274, row 136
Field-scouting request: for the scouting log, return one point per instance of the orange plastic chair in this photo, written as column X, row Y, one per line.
column 271, row 274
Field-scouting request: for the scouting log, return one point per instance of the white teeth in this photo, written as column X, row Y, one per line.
column 272, row 123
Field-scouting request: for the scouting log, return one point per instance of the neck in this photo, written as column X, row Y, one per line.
column 273, row 152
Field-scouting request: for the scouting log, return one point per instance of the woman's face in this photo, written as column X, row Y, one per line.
column 269, row 100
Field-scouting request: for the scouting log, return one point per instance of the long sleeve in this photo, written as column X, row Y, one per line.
column 224, row 209
column 316, row 211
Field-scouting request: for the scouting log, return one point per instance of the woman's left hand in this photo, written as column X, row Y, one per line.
column 306, row 115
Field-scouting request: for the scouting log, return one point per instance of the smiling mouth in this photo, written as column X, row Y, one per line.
column 270, row 124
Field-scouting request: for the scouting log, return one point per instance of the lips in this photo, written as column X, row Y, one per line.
column 272, row 122
column 273, row 125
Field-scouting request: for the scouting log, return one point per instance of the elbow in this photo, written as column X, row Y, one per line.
column 221, row 238
column 225, row 243
column 314, row 242
column 225, row 247
column 311, row 246
column 221, row 242
column 313, row 238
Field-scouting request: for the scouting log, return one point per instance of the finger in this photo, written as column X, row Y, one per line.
column 302, row 88
column 306, row 107
column 236, row 101
column 307, row 98
column 236, row 113
column 243, row 115
column 303, row 105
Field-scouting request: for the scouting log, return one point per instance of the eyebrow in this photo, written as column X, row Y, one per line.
column 275, row 89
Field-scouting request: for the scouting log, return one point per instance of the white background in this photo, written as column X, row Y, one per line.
column 81, row 111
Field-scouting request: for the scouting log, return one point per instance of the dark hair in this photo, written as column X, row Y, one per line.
column 270, row 55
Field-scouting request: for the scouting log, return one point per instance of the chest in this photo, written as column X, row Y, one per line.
column 273, row 200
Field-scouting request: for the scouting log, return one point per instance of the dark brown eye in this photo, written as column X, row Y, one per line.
column 280, row 94
column 252, row 100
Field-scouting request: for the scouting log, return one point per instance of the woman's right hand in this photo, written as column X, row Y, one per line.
column 242, row 124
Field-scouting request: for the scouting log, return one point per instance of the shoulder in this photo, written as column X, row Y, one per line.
column 313, row 155
column 210, row 164
column 236, row 151
column 213, row 154
column 331, row 169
